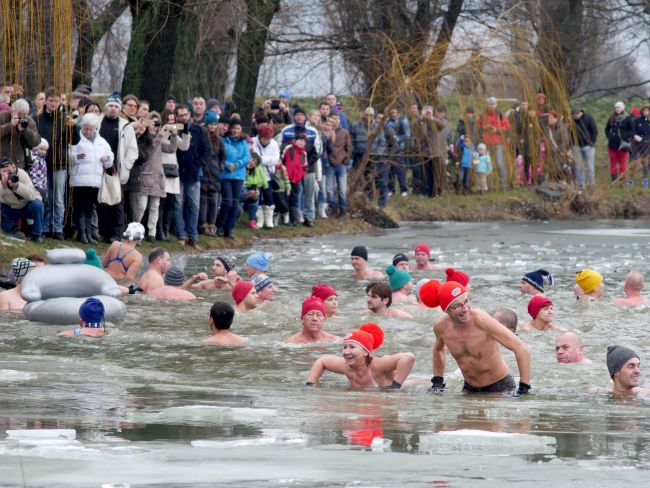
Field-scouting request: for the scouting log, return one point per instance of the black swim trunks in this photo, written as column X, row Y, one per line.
column 505, row 383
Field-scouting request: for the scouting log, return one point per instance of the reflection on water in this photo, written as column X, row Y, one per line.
column 150, row 404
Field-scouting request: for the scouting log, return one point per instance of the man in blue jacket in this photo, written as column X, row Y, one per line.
column 190, row 165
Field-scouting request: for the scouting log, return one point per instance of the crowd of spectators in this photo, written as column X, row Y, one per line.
column 72, row 168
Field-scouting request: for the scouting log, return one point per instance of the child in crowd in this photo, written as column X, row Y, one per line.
column 483, row 167
column 38, row 170
column 255, row 181
column 295, row 160
column 281, row 186
column 463, row 146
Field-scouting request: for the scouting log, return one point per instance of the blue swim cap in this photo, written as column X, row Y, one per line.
column 258, row 260
column 92, row 311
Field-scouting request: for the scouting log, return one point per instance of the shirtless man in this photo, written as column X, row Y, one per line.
column 533, row 283
column 401, row 285
column 329, row 297
column 569, row 349
column 122, row 260
column 360, row 367
column 313, row 320
column 633, row 287
column 91, row 320
column 506, row 317
column 245, row 296
column 473, row 338
column 224, row 276
column 401, row 261
column 265, row 288
column 540, row 309
column 159, row 263
column 624, row 367
column 589, row 285
column 379, row 298
column 359, row 259
column 174, row 287
column 257, row 263
column 221, row 316
column 10, row 300
column 422, row 257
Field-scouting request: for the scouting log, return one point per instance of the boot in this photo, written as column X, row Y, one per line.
column 614, row 176
column 204, row 229
column 213, row 230
column 81, row 231
column 285, row 218
column 276, row 219
column 89, row 234
column 259, row 217
column 342, row 213
column 644, row 183
column 252, row 224
column 322, row 211
column 630, row 183
column 268, row 216
column 294, row 217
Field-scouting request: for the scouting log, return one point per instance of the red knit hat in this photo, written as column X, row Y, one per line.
column 433, row 293
column 369, row 336
column 323, row 292
column 240, row 290
column 455, row 275
column 422, row 247
column 313, row 303
column 537, row 303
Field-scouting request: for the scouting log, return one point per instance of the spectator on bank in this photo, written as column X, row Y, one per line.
column 559, row 147
column 268, row 150
column 296, row 164
column 18, row 134
column 400, row 126
column 210, row 184
column 37, row 171
column 90, row 158
column 585, row 133
column 619, row 131
column 19, row 200
column 641, row 146
column 494, row 130
column 430, row 136
column 337, row 108
column 523, row 122
column 254, row 184
column 337, row 171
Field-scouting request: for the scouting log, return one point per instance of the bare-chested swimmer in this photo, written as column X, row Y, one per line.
column 10, row 300
column 379, row 298
column 624, row 367
column 533, row 283
column 224, row 276
column 360, row 367
column 589, row 285
column 423, row 257
column 473, row 338
column 540, row 309
column 159, row 263
column 313, row 319
column 174, row 287
column 329, row 296
column 632, row 288
column 569, row 349
column 359, row 259
column 221, row 317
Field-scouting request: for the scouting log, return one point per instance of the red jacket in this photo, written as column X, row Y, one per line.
column 494, row 125
column 295, row 160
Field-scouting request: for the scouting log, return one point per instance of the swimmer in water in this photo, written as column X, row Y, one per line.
column 174, row 286
column 401, row 285
column 329, row 297
column 589, row 285
column 624, row 368
column 265, row 288
column 379, row 298
column 401, row 261
column 569, row 349
column 506, row 317
column 245, row 296
column 122, row 260
column 359, row 260
column 360, row 367
column 533, row 283
column 91, row 320
column 257, row 263
column 313, row 319
column 224, row 276
column 159, row 263
column 221, row 317
column 422, row 258
column 540, row 309
column 632, row 288
column 10, row 300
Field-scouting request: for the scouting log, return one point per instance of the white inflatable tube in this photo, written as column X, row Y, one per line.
column 65, row 310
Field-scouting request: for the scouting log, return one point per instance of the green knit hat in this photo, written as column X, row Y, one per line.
column 397, row 277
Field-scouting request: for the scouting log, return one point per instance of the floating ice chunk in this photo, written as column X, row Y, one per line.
column 257, row 441
column 481, row 442
column 205, row 414
column 8, row 375
column 42, row 434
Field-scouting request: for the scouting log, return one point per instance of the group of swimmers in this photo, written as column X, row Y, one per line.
column 472, row 336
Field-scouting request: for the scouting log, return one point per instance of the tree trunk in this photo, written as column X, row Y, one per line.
column 250, row 55
column 439, row 51
column 90, row 31
column 150, row 61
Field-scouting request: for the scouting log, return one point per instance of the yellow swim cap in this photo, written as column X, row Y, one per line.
column 588, row 279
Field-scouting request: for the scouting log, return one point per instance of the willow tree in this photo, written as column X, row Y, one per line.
column 150, row 59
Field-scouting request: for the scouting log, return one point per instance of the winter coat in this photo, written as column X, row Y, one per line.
column 314, row 146
column 127, row 149
column 402, row 131
column 237, row 154
column 147, row 176
column 359, row 134
column 213, row 165
column 484, row 163
column 173, row 184
column 586, row 131
column 283, row 180
column 256, row 179
column 493, row 124
column 431, row 137
column 89, row 170
column 642, row 129
column 190, row 162
column 22, row 195
column 341, row 148
column 269, row 154
column 619, row 127
column 295, row 160
column 465, row 152
column 13, row 142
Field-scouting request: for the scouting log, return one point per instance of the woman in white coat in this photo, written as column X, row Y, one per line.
column 89, row 160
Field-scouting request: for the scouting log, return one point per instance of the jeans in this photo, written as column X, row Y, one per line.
column 496, row 153
column 171, row 216
column 189, row 198
column 209, row 206
column 111, row 219
column 33, row 210
column 230, row 190
column 266, row 196
column 322, row 188
column 376, row 174
column 250, row 206
column 397, row 170
column 337, row 176
column 55, row 208
column 585, row 157
column 309, row 190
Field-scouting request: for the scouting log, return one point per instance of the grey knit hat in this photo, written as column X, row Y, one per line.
column 228, row 263
column 617, row 356
column 174, row 276
column 261, row 281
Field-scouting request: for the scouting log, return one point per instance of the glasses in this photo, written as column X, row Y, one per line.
column 459, row 306
column 132, row 105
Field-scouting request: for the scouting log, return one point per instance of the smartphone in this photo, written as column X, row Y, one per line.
column 275, row 104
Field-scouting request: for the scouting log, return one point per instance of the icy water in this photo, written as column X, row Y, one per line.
column 149, row 405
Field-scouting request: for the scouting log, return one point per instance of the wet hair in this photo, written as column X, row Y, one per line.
column 507, row 317
column 222, row 315
column 36, row 258
column 159, row 252
column 382, row 290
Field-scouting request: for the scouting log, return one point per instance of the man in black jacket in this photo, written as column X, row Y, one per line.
column 585, row 134
column 59, row 131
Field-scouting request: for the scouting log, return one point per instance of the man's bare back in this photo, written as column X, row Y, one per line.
column 171, row 293
column 634, row 301
column 151, row 279
column 11, row 301
column 302, row 338
column 225, row 339
column 368, row 274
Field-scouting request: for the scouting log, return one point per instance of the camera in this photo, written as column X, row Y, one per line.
column 156, row 123
column 13, row 177
column 24, row 123
column 275, row 104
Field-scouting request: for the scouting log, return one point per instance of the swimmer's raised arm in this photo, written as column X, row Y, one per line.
column 194, row 279
column 401, row 364
column 334, row 364
column 439, row 358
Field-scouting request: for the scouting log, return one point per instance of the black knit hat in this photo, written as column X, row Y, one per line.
column 361, row 252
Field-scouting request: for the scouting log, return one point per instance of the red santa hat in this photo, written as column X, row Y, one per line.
column 240, row 290
column 369, row 336
column 422, row 247
column 537, row 303
column 455, row 275
column 313, row 303
column 323, row 292
column 434, row 294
